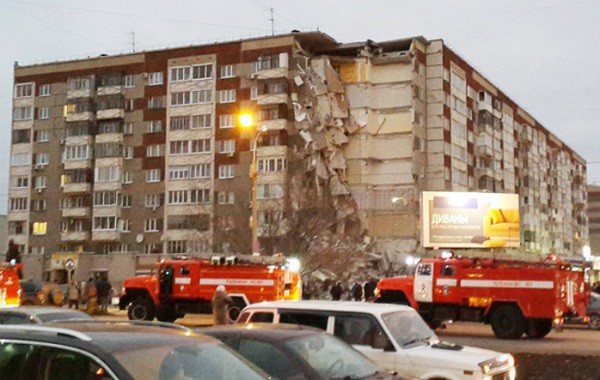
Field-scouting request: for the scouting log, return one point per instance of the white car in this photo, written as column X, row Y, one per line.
column 393, row 336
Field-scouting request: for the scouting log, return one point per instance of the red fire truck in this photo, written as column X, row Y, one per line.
column 187, row 286
column 515, row 297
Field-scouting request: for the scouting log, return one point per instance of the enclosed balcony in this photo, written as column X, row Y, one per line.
column 110, row 84
column 110, row 107
column 271, row 66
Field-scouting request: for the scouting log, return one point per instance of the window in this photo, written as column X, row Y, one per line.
column 269, row 358
column 43, row 113
column 129, row 105
column 128, row 128
column 107, row 174
column 106, row 198
column 153, row 175
column 200, row 171
column 151, row 225
column 45, row 90
column 16, row 228
column 277, row 88
column 179, row 74
column 305, row 319
column 129, row 81
column 226, row 146
column 459, row 106
column 202, row 71
column 459, row 176
column 126, row 200
column 253, row 93
column 153, row 151
column 459, row 82
column 266, row 62
column 459, row 152
column 227, row 96
column 40, row 228
column 105, row 223
column 177, row 246
column 201, row 96
column 41, row 182
column 227, row 71
column 20, row 159
column 189, row 146
column 201, row 121
column 271, row 165
column 448, row 270
column 459, row 129
column 179, row 147
column 42, row 159
column 179, row 123
column 155, row 126
column 109, row 150
column 357, row 329
column 153, row 200
column 191, row 97
column 38, row 205
column 125, row 227
column 22, row 113
column 200, row 196
column 77, row 152
column 18, row 204
column 80, row 83
column 42, row 136
column 262, row 317
column 151, row 248
column 226, row 197
column 19, row 182
column 269, row 191
column 226, row 171
column 156, row 102
column 24, row 90
column 110, row 127
column 179, row 172
column 155, row 79
column 226, row 121
column 188, row 196
column 128, row 152
column 127, row 177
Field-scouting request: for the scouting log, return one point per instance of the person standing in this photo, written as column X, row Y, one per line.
column 220, row 305
column 73, row 295
column 357, row 292
column 103, row 293
column 370, row 287
column 336, row 291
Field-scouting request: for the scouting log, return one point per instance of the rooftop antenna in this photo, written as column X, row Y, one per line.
column 272, row 19
column 132, row 34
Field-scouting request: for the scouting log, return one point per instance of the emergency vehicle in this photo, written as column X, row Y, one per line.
column 10, row 287
column 515, row 297
column 187, row 286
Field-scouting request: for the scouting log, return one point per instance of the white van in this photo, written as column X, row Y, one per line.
column 394, row 336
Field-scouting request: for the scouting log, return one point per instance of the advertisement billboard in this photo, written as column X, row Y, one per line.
column 470, row 220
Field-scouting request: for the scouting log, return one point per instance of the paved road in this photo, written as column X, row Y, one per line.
column 572, row 341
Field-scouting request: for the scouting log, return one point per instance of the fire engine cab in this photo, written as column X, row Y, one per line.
column 187, row 286
column 515, row 297
column 10, row 287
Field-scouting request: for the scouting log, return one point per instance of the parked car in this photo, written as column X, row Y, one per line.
column 31, row 293
column 593, row 314
column 123, row 350
column 26, row 315
column 393, row 336
column 298, row 352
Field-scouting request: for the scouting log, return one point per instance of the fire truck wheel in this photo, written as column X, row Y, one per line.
column 594, row 322
column 538, row 328
column 508, row 322
column 141, row 309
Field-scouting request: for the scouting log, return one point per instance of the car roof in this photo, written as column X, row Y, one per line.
column 262, row 331
column 342, row 306
column 37, row 310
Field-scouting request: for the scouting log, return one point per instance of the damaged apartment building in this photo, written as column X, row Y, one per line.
column 127, row 155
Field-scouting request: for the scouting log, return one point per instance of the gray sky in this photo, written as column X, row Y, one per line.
column 543, row 54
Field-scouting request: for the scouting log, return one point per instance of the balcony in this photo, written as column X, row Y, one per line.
column 480, row 172
column 275, row 125
column 77, row 164
column 73, row 93
column 112, row 113
column 269, row 99
column 106, row 235
column 79, row 116
column 270, row 67
column 272, row 151
column 484, row 151
column 77, row 188
column 67, row 236
column 76, row 212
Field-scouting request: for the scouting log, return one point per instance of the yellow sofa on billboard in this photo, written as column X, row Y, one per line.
column 502, row 223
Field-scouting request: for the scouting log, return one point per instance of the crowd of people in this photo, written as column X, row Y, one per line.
column 95, row 294
column 317, row 289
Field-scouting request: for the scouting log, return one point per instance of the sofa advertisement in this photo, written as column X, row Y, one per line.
column 470, row 220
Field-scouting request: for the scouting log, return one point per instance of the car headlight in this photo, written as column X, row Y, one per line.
column 502, row 360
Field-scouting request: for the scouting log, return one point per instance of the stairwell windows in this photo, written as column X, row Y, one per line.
column 129, row 81
column 45, row 90
column 153, row 151
column 43, row 113
column 151, row 225
column 226, row 146
column 153, row 175
column 226, row 121
column 153, row 200
column 155, row 126
column 226, row 197
column 155, row 79
column 227, row 96
column 226, row 171
column 227, row 71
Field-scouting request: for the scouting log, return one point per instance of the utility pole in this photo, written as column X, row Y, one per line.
column 272, row 19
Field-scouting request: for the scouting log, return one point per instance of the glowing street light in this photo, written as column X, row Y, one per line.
column 247, row 121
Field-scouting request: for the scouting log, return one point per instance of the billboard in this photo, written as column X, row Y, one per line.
column 470, row 220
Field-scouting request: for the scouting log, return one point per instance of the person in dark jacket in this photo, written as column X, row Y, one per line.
column 357, row 292
column 370, row 287
column 103, row 294
column 336, row 291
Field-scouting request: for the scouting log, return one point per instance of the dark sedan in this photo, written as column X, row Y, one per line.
column 27, row 315
column 290, row 352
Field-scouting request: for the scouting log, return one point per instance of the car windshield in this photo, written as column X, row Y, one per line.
column 52, row 317
column 173, row 361
column 332, row 358
column 408, row 328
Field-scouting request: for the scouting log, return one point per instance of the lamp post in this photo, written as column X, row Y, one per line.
column 247, row 120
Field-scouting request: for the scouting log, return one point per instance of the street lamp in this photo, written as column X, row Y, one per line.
column 247, row 121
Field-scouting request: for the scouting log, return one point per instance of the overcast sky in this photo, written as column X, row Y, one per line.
column 544, row 54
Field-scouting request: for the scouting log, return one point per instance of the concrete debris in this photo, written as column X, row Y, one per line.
column 298, row 80
column 299, row 112
column 306, row 136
